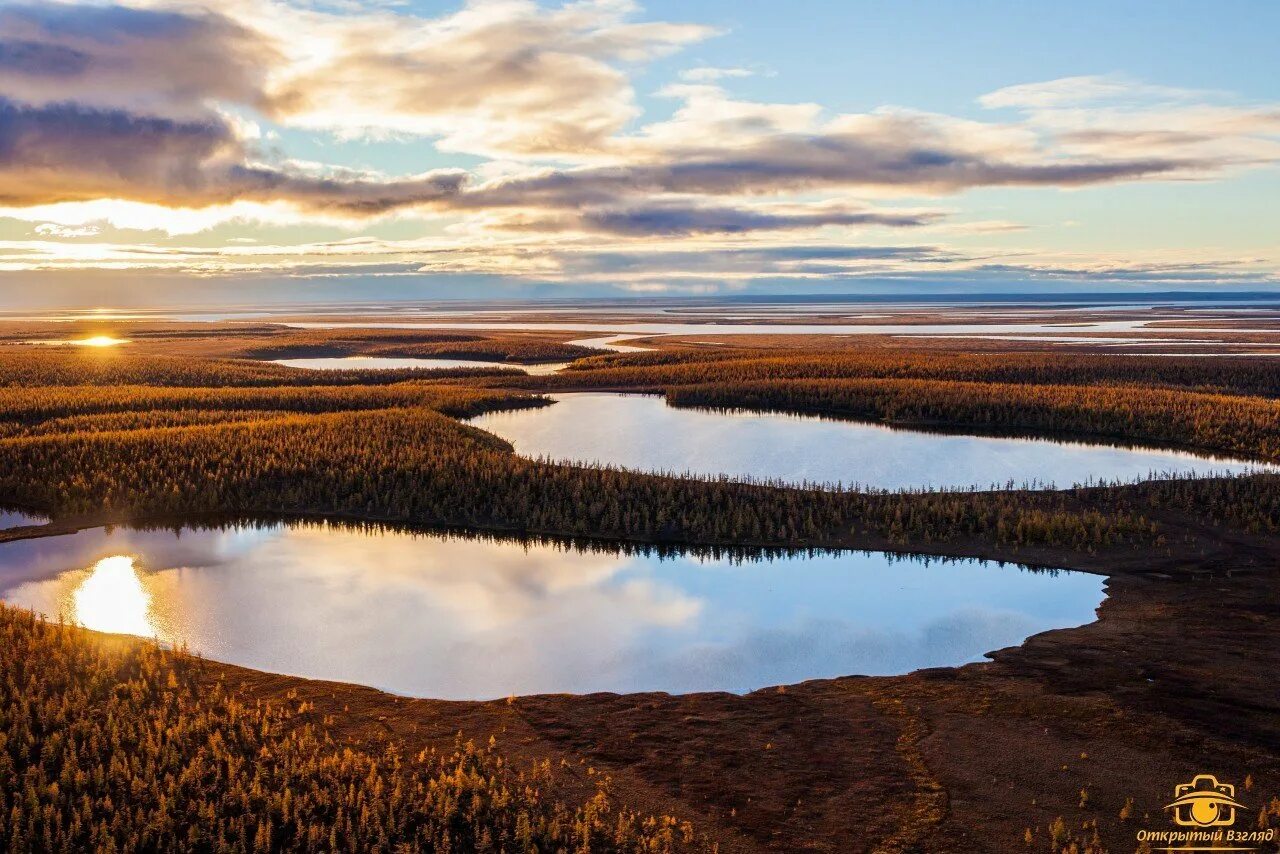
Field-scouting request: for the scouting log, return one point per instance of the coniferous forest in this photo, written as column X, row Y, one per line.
column 158, row 436
column 122, row 746
column 127, row 747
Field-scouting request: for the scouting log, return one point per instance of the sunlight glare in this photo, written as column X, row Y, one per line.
column 99, row 341
column 113, row 599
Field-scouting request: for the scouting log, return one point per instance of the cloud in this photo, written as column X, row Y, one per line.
column 50, row 229
column 718, row 146
column 744, row 262
column 110, row 101
column 668, row 219
column 63, row 152
column 507, row 75
column 154, row 97
column 158, row 61
column 1085, row 89
column 708, row 74
column 707, row 264
column 115, row 102
column 896, row 154
column 66, row 152
column 685, row 218
column 496, row 78
column 1216, row 270
column 1101, row 117
column 174, row 117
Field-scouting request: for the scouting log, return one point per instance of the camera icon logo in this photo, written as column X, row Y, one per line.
column 1204, row 802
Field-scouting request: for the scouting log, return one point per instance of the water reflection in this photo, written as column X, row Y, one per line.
column 91, row 341
column 99, row 341
column 112, row 598
column 19, row 518
column 642, row 432
column 465, row 618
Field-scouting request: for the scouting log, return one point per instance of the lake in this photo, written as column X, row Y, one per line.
column 642, row 432
column 366, row 363
column 19, row 519
column 451, row 617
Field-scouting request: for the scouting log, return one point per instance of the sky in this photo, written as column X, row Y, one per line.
column 158, row 149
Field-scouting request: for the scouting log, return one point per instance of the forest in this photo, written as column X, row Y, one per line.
column 89, row 724
column 673, row 366
column 119, row 745
column 30, row 367
column 70, row 409
column 509, row 347
column 394, row 452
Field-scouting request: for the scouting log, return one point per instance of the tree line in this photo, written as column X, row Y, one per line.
column 404, row 343
column 664, row 368
column 71, row 408
column 1236, row 425
column 419, row 466
column 391, row 452
column 34, row 367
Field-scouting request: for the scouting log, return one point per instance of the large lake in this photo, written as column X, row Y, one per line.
column 642, row 432
column 448, row 617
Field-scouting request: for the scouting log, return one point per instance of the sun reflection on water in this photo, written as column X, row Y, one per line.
column 113, row 599
column 99, row 341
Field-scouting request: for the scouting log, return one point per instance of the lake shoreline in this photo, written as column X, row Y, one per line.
column 917, row 749
column 938, row 426
column 648, row 434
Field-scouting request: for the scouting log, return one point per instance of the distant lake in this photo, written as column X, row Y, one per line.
column 449, row 617
column 19, row 519
column 642, row 432
column 374, row 363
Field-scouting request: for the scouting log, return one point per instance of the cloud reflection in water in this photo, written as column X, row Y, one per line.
column 470, row 618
